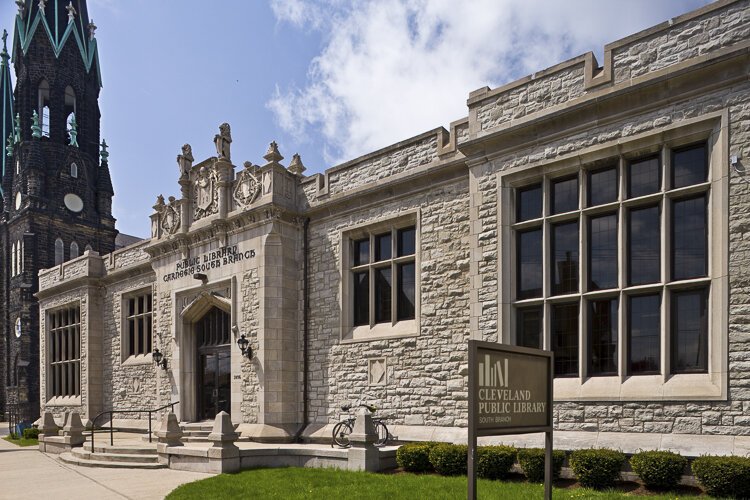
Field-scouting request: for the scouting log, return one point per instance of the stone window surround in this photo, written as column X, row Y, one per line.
column 125, row 357
column 711, row 128
column 365, row 333
column 63, row 401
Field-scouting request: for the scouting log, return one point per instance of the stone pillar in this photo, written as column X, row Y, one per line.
column 223, row 456
column 224, row 168
column 168, row 435
column 363, row 455
column 73, row 431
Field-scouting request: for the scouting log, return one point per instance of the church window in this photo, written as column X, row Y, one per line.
column 74, row 170
column 139, row 325
column 20, row 257
column 64, row 347
column 381, row 283
column 70, row 102
column 616, row 275
column 44, row 116
column 13, row 260
column 59, row 251
column 14, row 373
column 73, row 250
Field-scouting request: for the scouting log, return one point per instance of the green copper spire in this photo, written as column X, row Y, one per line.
column 104, row 154
column 36, row 130
column 61, row 21
column 6, row 101
column 73, row 132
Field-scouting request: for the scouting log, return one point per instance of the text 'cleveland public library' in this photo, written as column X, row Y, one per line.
column 600, row 212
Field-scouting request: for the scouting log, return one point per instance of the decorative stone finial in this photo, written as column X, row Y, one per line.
column 71, row 12
column 48, row 426
column 92, row 30
column 273, row 155
column 42, row 5
column 18, row 127
column 5, row 43
column 36, row 130
column 9, row 146
column 73, row 132
column 21, row 7
column 103, row 153
column 185, row 160
column 223, row 140
column 170, row 432
column 223, row 430
column 296, row 167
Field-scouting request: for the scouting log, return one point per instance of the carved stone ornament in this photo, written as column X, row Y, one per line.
column 170, row 217
column 185, row 160
column 223, row 141
column 247, row 187
column 206, row 193
column 377, row 371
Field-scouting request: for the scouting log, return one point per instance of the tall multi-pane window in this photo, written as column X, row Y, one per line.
column 64, row 348
column 383, row 276
column 139, row 324
column 605, row 257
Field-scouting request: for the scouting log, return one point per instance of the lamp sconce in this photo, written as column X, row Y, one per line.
column 159, row 359
column 243, row 343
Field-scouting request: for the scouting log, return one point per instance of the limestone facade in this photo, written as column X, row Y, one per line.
column 273, row 249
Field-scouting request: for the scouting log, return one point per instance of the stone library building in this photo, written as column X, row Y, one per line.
column 596, row 209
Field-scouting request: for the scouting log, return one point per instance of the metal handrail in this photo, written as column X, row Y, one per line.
column 111, row 426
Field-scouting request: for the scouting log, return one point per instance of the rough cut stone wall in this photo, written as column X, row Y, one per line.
column 130, row 382
column 538, row 94
column 678, row 417
column 425, row 374
column 250, row 306
column 704, row 34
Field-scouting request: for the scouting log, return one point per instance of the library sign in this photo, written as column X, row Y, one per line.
column 510, row 392
column 213, row 259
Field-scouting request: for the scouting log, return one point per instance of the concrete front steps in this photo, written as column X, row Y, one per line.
column 196, row 432
column 118, row 456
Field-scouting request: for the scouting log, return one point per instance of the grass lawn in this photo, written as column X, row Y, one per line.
column 22, row 441
column 297, row 483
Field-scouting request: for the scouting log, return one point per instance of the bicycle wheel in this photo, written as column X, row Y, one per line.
column 341, row 433
column 382, row 431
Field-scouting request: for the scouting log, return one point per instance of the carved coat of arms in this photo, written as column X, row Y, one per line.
column 246, row 189
column 205, row 193
column 170, row 219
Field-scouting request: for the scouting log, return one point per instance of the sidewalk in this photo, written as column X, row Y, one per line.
column 27, row 473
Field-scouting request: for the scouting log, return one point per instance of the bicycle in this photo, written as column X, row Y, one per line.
column 342, row 429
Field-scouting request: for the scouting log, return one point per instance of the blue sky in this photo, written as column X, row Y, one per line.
column 329, row 79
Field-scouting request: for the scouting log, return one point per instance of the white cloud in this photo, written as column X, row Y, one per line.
column 391, row 69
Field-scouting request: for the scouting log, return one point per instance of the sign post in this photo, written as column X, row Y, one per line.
column 510, row 392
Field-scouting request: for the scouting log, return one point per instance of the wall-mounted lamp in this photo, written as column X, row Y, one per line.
column 159, row 359
column 243, row 343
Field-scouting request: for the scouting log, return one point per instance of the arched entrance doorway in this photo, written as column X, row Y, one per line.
column 212, row 335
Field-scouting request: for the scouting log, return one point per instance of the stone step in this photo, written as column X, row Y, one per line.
column 123, row 449
column 114, row 457
column 69, row 458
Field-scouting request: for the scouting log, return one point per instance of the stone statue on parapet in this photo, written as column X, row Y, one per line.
column 185, row 160
column 223, row 140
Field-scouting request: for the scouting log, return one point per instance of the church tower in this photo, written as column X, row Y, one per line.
column 56, row 187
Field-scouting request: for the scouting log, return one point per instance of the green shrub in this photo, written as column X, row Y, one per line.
column 658, row 469
column 494, row 462
column 31, row 433
column 449, row 459
column 531, row 461
column 723, row 476
column 597, row 468
column 415, row 457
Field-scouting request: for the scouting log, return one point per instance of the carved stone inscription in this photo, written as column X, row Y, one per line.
column 209, row 260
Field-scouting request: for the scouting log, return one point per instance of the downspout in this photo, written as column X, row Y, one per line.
column 305, row 329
